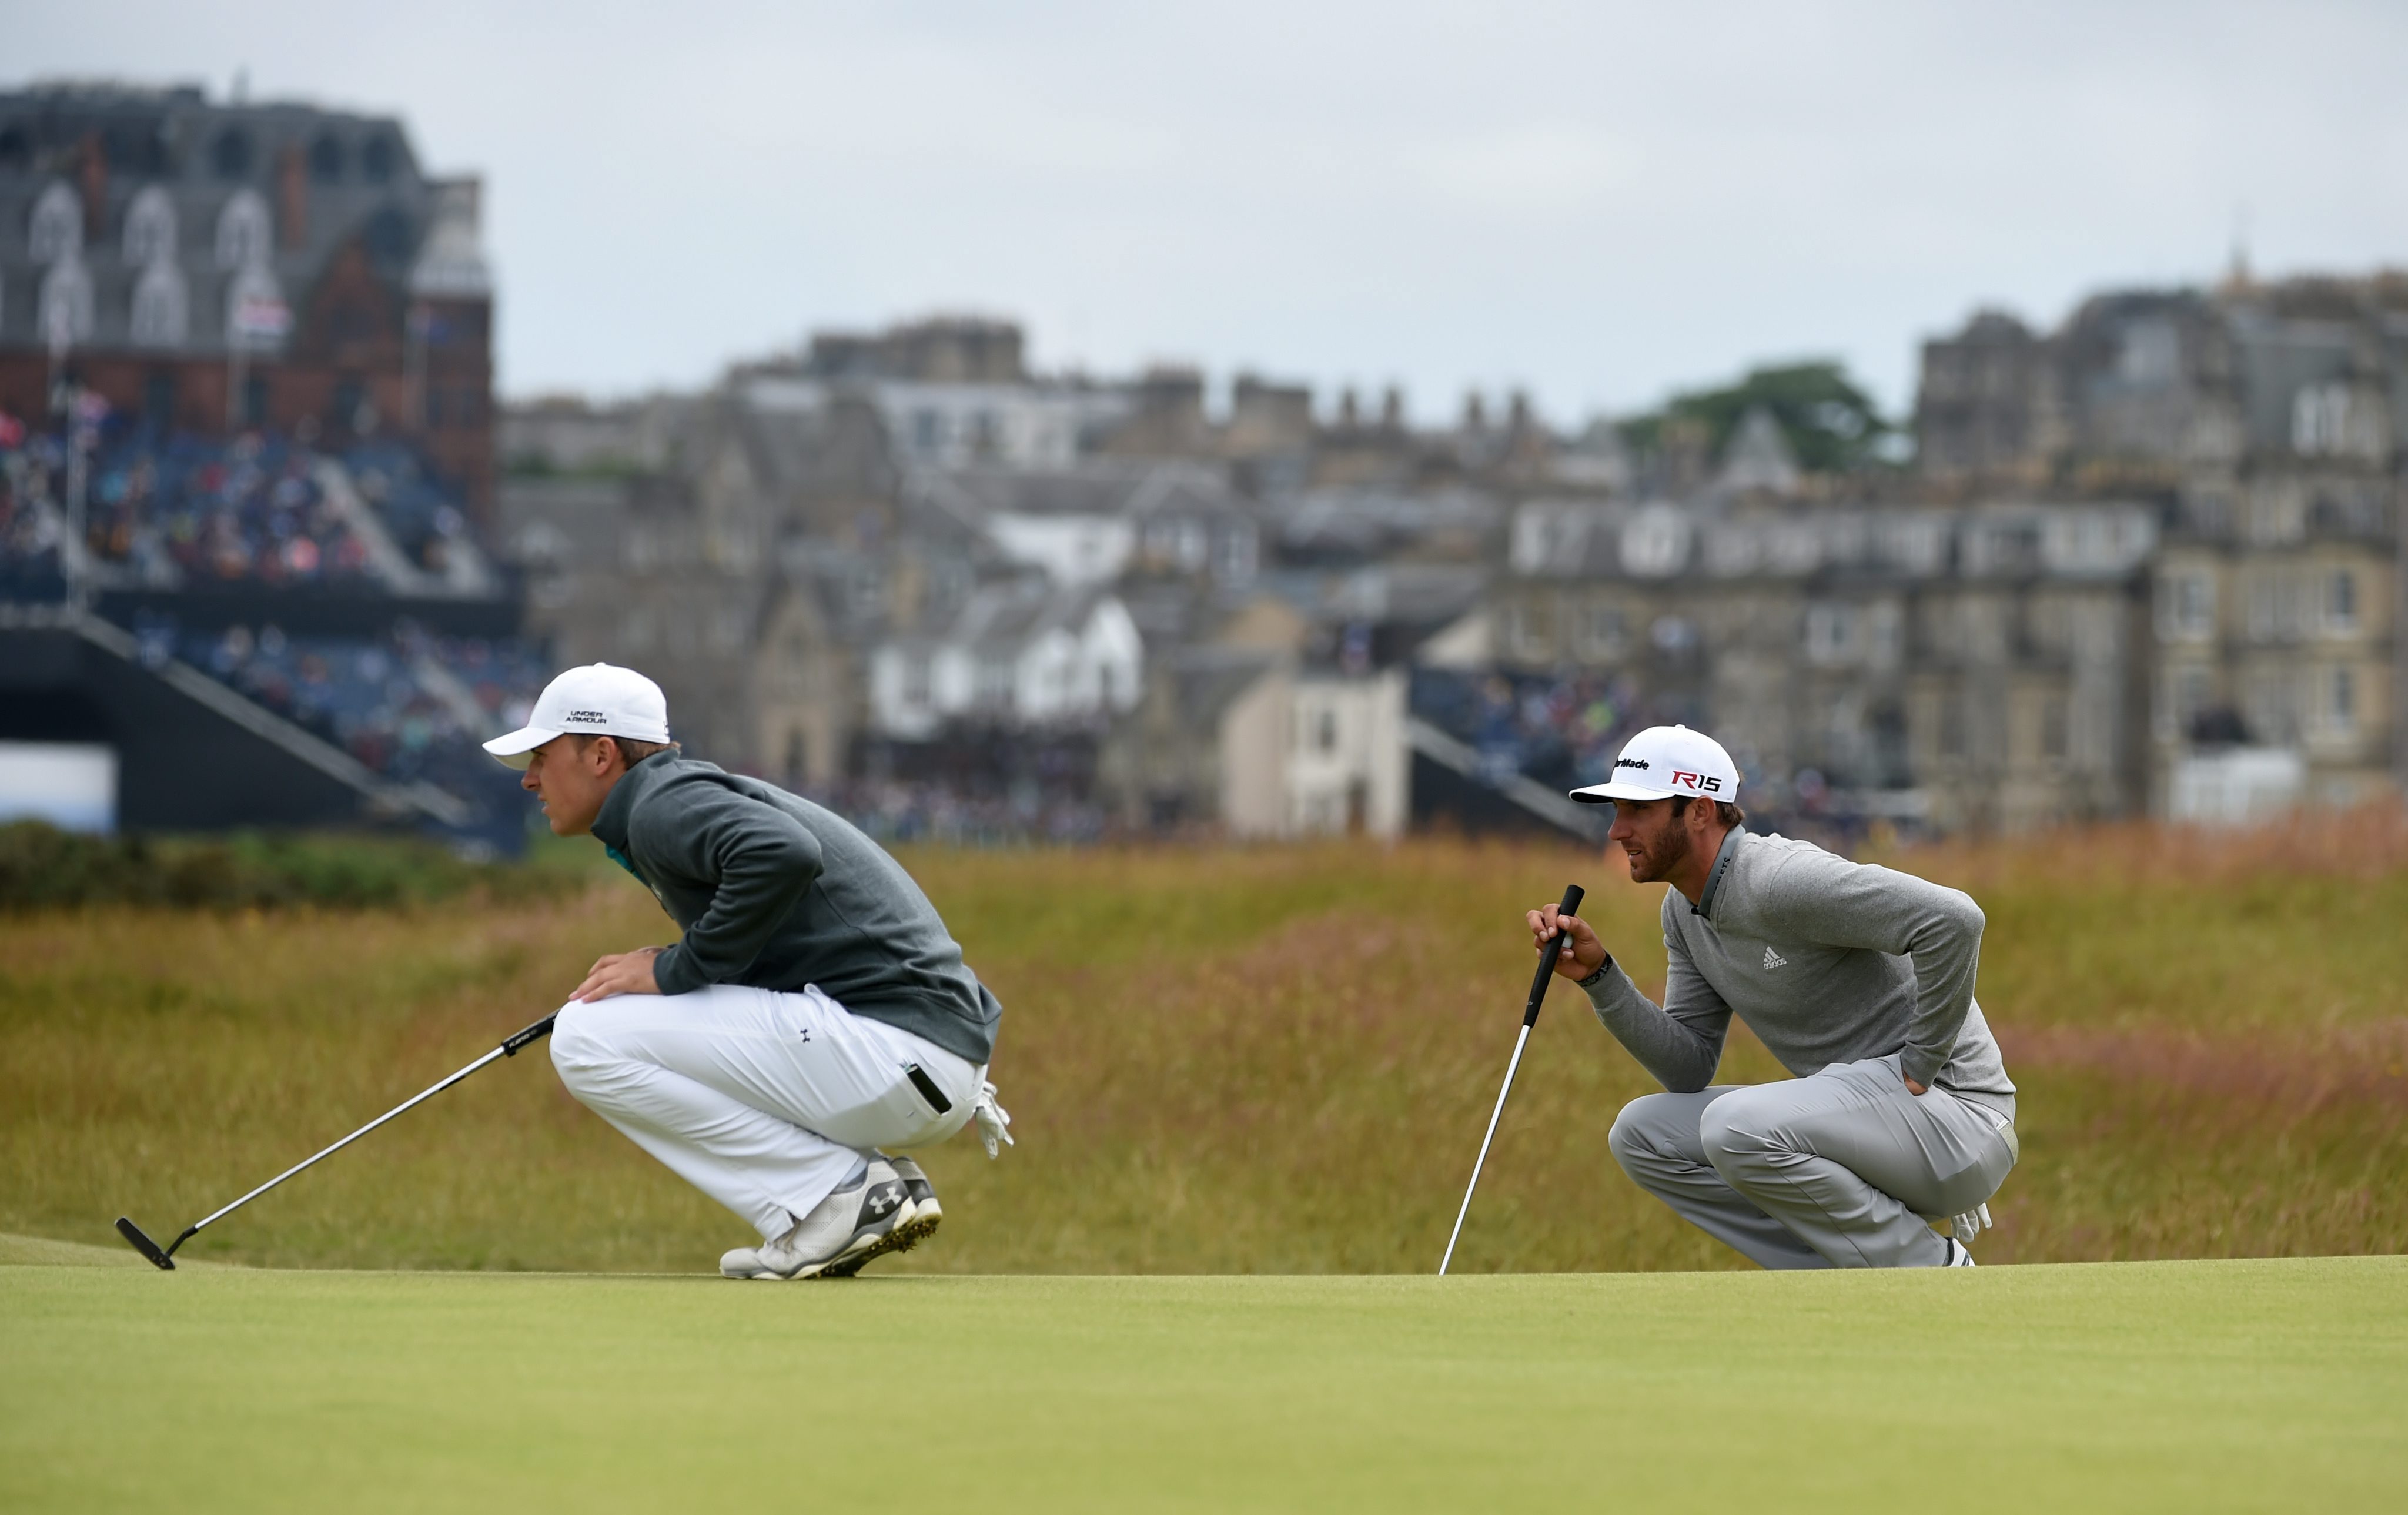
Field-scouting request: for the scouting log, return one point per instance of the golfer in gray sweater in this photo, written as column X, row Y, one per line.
column 1860, row 979
column 813, row 1016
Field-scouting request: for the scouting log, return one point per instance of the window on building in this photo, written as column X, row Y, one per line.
column 928, row 430
column 378, row 159
column 327, row 160
column 149, row 228
column 55, row 230
column 1605, row 631
column 2341, row 708
column 1830, row 632
column 2320, row 418
column 994, row 683
column 231, row 155
column 1952, row 724
column 2341, row 601
column 64, row 305
column 2190, row 606
column 243, row 232
column 254, row 400
column 1325, row 729
column 2053, row 727
column 160, row 313
column 919, row 681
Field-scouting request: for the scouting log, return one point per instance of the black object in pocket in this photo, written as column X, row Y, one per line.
column 928, row 1090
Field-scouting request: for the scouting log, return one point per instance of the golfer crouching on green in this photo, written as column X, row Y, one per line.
column 814, row 1012
column 1861, row 981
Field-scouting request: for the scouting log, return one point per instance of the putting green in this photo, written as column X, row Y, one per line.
column 2172, row 1386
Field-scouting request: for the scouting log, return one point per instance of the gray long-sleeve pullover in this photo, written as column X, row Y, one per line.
column 1827, row 961
column 773, row 892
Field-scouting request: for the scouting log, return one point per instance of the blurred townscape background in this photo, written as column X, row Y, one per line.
column 276, row 549
column 1201, row 483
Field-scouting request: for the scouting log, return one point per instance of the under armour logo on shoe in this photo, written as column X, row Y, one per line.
column 1774, row 959
column 883, row 1198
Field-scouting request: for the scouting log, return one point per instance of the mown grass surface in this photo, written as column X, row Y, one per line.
column 1225, row 1061
column 2258, row 1386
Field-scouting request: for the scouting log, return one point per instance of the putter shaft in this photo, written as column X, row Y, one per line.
column 1519, row 1042
column 1539, row 981
column 164, row 1257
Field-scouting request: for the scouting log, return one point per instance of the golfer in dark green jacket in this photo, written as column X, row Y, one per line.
column 814, row 1012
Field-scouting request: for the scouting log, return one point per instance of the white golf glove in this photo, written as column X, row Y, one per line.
column 1967, row 1226
column 994, row 1121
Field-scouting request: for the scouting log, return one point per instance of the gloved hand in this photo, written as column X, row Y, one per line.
column 994, row 1121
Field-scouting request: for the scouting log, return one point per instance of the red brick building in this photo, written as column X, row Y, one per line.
column 216, row 267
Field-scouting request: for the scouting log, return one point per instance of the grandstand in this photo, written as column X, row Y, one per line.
column 265, row 633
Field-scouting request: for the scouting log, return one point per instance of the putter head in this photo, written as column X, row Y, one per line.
column 144, row 1245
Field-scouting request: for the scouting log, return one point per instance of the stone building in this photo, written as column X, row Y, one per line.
column 1963, row 668
column 2263, row 423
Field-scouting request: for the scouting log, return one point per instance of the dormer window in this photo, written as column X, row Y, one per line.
column 160, row 312
column 150, row 228
column 55, row 230
column 243, row 232
column 63, row 313
column 327, row 160
column 230, row 154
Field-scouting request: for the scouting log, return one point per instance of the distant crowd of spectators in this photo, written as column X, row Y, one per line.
column 186, row 510
column 1562, row 729
column 389, row 701
column 898, row 811
column 30, row 536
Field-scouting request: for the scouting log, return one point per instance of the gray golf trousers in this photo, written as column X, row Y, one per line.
column 1835, row 1171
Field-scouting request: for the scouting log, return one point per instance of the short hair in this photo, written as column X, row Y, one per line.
column 629, row 748
column 1725, row 811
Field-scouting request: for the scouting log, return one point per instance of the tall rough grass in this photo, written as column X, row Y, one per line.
column 1229, row 1059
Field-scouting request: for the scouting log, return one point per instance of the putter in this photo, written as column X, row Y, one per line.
column 164, row 1257
column 1547, row 955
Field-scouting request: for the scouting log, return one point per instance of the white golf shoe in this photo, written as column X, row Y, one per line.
column 845, row 1230
column 1957, row 1255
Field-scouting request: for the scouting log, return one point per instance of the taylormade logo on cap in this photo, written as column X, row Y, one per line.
column 596, row 700
column 1674, row 761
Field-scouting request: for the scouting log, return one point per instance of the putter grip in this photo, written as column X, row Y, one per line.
column 533, row 1033
column 1547, row 955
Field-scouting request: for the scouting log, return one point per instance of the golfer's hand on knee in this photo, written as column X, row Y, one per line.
column 620, row 973
column 1583, row 955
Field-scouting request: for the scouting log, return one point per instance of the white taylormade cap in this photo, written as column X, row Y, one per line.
column 596, row 700
column 1665, row 761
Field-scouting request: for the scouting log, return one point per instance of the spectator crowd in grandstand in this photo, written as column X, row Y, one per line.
column 183, row 510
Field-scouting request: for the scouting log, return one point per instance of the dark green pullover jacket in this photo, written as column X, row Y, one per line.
column 774, row 892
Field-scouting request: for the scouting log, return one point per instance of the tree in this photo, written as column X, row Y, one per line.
column 1831, row 424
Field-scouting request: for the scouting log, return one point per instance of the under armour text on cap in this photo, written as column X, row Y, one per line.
column 1663, row 761
column 596, row 700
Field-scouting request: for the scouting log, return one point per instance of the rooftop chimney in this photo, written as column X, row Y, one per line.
column 291, row 198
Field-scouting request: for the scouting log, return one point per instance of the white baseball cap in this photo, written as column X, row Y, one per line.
column 1663, row 761
column 598, row 700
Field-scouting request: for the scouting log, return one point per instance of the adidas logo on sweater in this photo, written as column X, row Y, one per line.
column 1774, row 959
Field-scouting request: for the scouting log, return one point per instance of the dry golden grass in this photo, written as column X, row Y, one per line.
column 1225, row 1059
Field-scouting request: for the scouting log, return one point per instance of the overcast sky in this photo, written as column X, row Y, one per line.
column 1594, row 202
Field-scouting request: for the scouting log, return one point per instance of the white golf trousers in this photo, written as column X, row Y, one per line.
column 764, row 1101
